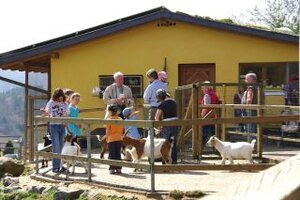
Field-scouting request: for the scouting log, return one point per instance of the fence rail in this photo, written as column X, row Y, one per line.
column 151, row 124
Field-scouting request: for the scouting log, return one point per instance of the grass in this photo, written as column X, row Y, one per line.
column 27, row 170
column 177, row 194
column 18, row 195
column 27, row 195
column 109, row 197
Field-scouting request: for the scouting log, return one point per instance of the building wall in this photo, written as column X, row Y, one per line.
column 136, row 50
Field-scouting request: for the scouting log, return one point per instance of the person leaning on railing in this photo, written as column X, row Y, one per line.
column 167, row 110
column 57, row 107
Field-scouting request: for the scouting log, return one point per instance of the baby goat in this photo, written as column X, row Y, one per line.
column 47, row 142
column 141, row 148
column 231, row 151
column 71, row 150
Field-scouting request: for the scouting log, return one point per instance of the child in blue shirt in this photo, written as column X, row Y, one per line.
column 131, row 131
column 73, row 111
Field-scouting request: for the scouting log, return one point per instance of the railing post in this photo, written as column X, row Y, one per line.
column 195, row 134
column 36, row 149
column 259, row 125
column 88, row 137
column 152, row 163
column 223, row 114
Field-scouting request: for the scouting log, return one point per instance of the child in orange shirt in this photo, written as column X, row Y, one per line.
column 114, row 135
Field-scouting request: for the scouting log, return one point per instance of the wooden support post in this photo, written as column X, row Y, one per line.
column 223, row 114
column 152, row 163
column 26, row 157
column 259, row 125
column 184, row 128
column 195, row 134
column 88, row 137
column 178, row 100
column 31, row 127
column 36, row 150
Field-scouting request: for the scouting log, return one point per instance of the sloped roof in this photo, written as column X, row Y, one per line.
column 52, row 45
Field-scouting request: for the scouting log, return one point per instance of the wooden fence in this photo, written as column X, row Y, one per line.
column 150, row 124
column 188, row 98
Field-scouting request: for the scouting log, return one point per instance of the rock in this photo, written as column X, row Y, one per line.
column 49, row 188
column 88, row 194
column 37, row 189
column 11, row 189
column 13, row 167
column 10, row 181
column 64, row 193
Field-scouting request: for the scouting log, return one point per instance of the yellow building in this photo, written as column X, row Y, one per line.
column 189, row 48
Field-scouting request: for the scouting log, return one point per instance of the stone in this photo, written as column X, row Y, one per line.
column 37, row 189
column 13, row 167
column 89, row 194
column 10, row 181
column 64, row 193
column 47, row 189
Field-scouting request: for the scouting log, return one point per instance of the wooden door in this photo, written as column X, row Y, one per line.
column 192, row 73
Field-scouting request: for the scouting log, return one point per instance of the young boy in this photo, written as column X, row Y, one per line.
column 114, row 135
column 131, row 131
column 73, row 111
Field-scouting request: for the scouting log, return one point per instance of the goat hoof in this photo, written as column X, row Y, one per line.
column 43, row 166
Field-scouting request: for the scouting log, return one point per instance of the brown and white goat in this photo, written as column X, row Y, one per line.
column 104, row 148
column 141, row 148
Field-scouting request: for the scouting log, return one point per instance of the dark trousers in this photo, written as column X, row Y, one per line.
column 171, row 131
column 207, row 132
column 114, row 149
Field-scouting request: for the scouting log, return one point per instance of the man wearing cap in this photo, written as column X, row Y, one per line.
column 150, row 92
column 118, row 94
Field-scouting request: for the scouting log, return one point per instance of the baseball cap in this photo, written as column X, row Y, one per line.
column 126, row 112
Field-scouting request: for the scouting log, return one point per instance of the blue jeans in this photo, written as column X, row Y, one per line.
column 171, row 131
column 57, row 132
column 250, row 128
column 207, row 132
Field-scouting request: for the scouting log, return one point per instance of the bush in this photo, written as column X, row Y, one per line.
column 9, row 148
column 176, row 194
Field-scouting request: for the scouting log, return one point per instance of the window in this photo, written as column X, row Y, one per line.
column 273, row 75
column 135, row 82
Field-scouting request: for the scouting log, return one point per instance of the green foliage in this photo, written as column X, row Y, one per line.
column 12, row 112
column 176, row 194
column 277, row 14
column 48, row 195
column 9, row 148
column 27, row 170
column 194, row 194
column 18, row 195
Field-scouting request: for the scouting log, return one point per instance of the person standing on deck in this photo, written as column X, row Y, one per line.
column 150, row 92
column 118, row 94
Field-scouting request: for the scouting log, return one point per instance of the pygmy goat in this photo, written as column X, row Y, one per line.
column 47, row 142
column 104, row 146
column 71, row 150
column 232, row 151
column 141, row 148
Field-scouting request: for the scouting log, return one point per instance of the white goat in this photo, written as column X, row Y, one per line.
column 231, row 151
column 71, row 150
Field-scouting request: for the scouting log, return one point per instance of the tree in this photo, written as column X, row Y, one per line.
column 277, row 14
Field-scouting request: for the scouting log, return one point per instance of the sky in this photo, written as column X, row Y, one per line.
column 26, row 22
